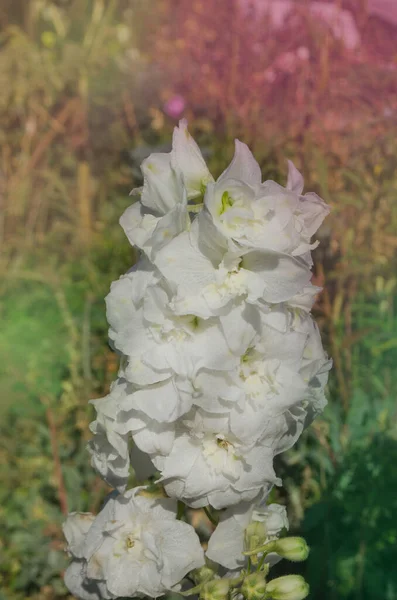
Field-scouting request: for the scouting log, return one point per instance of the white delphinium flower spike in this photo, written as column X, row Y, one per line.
column 222, row 367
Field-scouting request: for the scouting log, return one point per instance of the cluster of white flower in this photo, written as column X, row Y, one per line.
column 222, row 367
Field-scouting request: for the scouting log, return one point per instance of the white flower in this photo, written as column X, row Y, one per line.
column 226, row 544
column 160, row 342
column 163, row 350
column 209, row 278
column 136, row 546
column 266, row 383
column 161, row 213
column 202, row 462
column 109, row 448
column 170, row 181
column 263, row 216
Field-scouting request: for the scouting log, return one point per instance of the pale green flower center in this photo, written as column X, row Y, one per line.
column 128, row 542
column 220, row 454
column 257, row 375
column 226, row 202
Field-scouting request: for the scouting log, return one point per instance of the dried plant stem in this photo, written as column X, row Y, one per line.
column 329, row 311
column 84, row 199
column 46, row 140
column 62, row 495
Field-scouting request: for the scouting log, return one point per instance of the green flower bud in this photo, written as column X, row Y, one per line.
column 291, row 548
column 254, row 586
column 254, row 536
column 203, row 574
column 289, row 587
column 217, row 589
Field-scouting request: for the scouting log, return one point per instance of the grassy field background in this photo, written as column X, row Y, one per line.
column 88, row 89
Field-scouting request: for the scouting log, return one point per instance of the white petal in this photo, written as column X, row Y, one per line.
column 150, row 581
column 240, row 324
column 314, row 211
column 155, row 439
column 287, row 347
column 138, row 225
column 184, row 265
column 161, row 402
column 295, row 179
column 243, row 166
column 81, row 587
column 274, row 516
column 207, row 238
column 168, row 227
column 142, row 374
column 187, row 159
column 75, row 528
column 260, row 461
column 210, row 348
column 230, row 496
column 248, row 424
column 123, row 578
column 162, row 189
column 131, row 337
column 226, row 544
column 94, row 536
column 284, row 275
column 181, row 549
column 182, row 458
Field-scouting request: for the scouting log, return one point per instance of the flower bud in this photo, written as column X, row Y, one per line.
column 203, row 574
column 254, row 586
column 255, row 535
column 218, row 589
column 291, row 548
column 289, row 587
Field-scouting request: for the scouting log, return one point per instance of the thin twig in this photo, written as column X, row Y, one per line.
column 62, row 495
column 46, row 140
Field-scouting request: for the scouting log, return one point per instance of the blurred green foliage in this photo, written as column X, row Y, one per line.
column 83, row 86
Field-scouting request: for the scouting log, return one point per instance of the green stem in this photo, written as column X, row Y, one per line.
column 265, row 549
column 194, row 590
column 210, row 516
column 249, row 566
column 180, row 511
column 261, row 562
